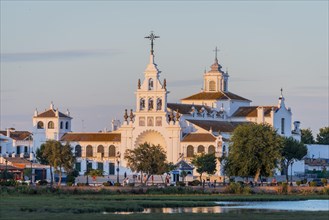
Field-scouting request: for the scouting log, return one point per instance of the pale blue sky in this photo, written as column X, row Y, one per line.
column 88, row 55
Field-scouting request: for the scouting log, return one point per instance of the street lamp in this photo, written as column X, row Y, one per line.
column 291, row 173
column 118, row 163
column 87, row 172
column 31, row 167
column 6, row 161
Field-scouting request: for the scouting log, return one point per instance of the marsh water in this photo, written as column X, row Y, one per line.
column 238, row 207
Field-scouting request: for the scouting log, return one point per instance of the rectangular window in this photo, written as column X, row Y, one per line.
column 282, row 125
column 89, row 166
column 150, row 121
column 141, row 121
column 78, row 166
column 100, row 166
column 111, row 168
column 158, row 121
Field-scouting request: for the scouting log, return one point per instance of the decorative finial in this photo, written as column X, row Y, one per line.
column 152, row 38
column 125, row 116
column 177, row 115
column 139, row 84
column 131, row 116
column 281, row 92
column 165, row 84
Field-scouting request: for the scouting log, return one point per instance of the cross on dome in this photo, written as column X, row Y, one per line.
column 152, row 37
column 216, row 50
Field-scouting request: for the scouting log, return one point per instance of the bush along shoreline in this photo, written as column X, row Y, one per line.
column 229, row 189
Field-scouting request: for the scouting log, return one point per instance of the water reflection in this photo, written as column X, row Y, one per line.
column 245, row 207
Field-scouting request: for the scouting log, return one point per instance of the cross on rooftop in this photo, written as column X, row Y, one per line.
column 216, row 50
column 152, row 38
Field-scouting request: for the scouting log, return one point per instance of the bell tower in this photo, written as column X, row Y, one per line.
column 151, row 94
column 215, row 80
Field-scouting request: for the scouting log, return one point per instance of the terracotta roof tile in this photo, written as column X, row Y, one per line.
column 221, row 126
column 75, row 137
column 215, row 96
column 18, row 135
column 51, row 113
column 251, row 111
column 199, row 137
column 186, row 108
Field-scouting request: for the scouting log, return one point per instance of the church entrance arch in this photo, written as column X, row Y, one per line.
column 151, row 137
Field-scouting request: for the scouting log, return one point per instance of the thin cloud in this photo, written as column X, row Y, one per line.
column 55, row 55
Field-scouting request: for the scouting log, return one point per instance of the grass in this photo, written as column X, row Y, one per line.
column 50, row 206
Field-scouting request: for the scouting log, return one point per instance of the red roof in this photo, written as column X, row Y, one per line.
column 251, row 111
column 18, row 135
column 199, row 137
column 75, row 137
column 220, row 126
column 51, row 113
column 215, row 96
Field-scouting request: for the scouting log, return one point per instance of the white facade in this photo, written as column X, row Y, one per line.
column 50, row 125
column 202, row 122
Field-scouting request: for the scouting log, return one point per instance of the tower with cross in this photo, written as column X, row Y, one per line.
column 215, row 80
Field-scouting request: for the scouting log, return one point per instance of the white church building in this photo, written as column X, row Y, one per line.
column 202, row 122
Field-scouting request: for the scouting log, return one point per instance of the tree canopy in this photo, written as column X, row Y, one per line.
column 255, row 151
column 205, row 163
column 293, row 150
column 58, row 156
column 323, row 136
column 147, row 158
column 307, row 136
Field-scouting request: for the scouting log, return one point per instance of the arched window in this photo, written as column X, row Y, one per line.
column 61, row 125
column 142, row 104
column 159, row 104
column 190, row 151
column 200, row 149
column 89, row 151
column 150, row 84
column 112, row 151
column 67, row 125
column 51, row 125
column 78, row 151
column 40, row 125
column 100, row 149
column 211, row 149
column 212, row 86
column 150, row 104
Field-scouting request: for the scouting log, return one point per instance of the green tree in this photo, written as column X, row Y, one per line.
column 148, row 159
column 205, row 163
column 255, row 151
column 292, row 151
column 307, row 136
column 323, row 136
column 42, row 158
column 59, row 157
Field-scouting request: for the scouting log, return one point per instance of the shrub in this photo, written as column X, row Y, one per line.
column 180, row 183
column 43, row 182
column 234, row 188
column 69, row 183
column 106, row 184
column 324, row 181
column 8, row 183
column 81, row 184
column 312, row 183
column 298, row 182
column 194, row 183
column 117, row 184
column 283, row 189
column 325, row 191
column 304, row 181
